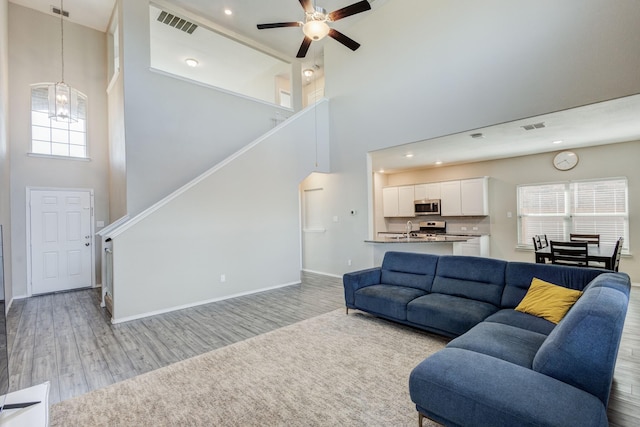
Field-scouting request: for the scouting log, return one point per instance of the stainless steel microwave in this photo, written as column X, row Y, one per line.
column 427, row 207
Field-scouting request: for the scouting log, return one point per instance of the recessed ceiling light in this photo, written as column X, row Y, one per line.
column 381, row 171
column 558, row 141
column 228, row 12
column 191, row 62
column 308, row 72
column 439, row 162
column 408, row 155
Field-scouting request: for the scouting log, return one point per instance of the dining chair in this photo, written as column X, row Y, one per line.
column 615, row 260
column 539, row 242
column 589, row 238
column 569, row 253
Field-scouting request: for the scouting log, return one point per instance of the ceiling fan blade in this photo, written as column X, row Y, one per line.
column 279, row 25
column 361, row 6
column 307, row 5
column 338, row 36
column 304, row 47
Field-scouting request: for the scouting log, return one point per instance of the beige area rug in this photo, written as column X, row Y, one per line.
column 331, row 370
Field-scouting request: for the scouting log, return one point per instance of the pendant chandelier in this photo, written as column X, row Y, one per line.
column 63, row 99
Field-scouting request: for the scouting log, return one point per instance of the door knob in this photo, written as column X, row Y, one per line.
column 87, row 244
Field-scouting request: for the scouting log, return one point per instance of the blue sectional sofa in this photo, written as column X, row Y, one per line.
column 503, row 367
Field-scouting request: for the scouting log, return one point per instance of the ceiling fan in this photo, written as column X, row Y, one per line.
column 316, row 27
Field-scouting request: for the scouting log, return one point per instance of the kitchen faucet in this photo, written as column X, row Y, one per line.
column 409, row 228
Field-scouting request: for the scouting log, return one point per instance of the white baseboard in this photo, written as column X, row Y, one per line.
column 337, row 276
column 197, row 303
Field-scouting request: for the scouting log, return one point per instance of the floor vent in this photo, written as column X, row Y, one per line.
column 177, row 22
column 534, row 126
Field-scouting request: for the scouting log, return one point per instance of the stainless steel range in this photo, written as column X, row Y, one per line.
column 432, row 228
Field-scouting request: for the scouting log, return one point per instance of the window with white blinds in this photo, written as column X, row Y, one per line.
column 53, row 138
column 586, row 207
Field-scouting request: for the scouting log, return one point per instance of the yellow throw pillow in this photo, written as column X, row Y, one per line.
column 549, row 301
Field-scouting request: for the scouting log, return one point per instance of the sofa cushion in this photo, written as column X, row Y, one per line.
column 508, row 316
column 505, row 342
column 387, row 300
column 448, row 314
column 480, row 279
column 582, row 349
column 549, row 301
column 519, row 275
column 459, row 387
column 409, row 269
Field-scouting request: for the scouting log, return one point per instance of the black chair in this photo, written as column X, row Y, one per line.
column 615, row 259
column 592, row 239
column 569, row 253
column 539, row 242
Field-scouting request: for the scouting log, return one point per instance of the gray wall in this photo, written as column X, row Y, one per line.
column 34, row 57
column 174, row 130
column 446, row 67
column 5, row 212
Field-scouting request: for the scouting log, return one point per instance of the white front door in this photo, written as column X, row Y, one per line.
column 61, row 240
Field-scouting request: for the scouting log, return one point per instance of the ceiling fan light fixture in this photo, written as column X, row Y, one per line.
column 315, row 30
column 308, row 72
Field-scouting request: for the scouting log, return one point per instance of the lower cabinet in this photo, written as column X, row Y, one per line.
column 478, row 246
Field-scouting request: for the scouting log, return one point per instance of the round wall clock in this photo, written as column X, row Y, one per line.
column 565, row 160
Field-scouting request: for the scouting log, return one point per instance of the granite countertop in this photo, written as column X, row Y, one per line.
column 444, row 238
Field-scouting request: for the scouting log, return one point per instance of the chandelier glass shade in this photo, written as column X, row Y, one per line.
column 315, row 30
column 63, row 103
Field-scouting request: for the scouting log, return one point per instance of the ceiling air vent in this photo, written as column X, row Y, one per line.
column 56, row 11
column 534, row 126
column 177, row 22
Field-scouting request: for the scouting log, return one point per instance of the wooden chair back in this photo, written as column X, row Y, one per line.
column 569, row 253
column 593, row 239
column 615, row 260
column 540, row 241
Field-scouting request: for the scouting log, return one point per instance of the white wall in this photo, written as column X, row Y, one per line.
column 5, row 212
column 34, row 57
column 432, row 68
column 241, row 219
column 174, row 129
column 613, row 160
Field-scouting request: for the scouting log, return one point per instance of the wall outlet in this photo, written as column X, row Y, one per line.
column 463, row 228
column 475, row 228
column 348, row 262
column 223, row 278
column 509, row 214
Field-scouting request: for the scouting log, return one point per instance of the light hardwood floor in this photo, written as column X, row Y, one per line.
column 66, row 338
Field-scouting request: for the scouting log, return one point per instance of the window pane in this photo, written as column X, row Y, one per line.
column 41, row 147
column 40, row 133
column 45, row 131
column 76, row 138
column 60, row 149
column 59, row 135
column 77, row 151
column 40, row 119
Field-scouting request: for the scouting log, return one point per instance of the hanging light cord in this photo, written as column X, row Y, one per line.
column 62, row 37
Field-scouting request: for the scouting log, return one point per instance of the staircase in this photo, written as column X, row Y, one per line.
column 233, row 230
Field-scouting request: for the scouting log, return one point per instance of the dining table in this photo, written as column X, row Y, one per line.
column 595, row 253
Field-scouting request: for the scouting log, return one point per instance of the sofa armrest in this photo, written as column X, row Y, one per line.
column 461, row 387
column 359, row 279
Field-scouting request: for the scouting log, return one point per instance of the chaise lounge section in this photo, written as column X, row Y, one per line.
column 504, row 366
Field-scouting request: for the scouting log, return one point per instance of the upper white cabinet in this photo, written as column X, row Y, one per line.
column 398, row 201
column 429, row 191
column 474, row 196
column 450, row 203
column 467, row 197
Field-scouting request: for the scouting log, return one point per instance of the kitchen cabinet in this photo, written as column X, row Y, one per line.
column 450, row 202
column 467, row 197
column 474, row 196
column 398, row 201
column 429, row 191
column 478, row 246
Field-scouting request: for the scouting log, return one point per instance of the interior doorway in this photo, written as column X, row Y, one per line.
column 60, row 239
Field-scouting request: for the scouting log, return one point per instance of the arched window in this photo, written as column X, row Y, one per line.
column 52, row 138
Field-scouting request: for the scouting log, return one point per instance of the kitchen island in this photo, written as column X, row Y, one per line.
column 442, row 244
